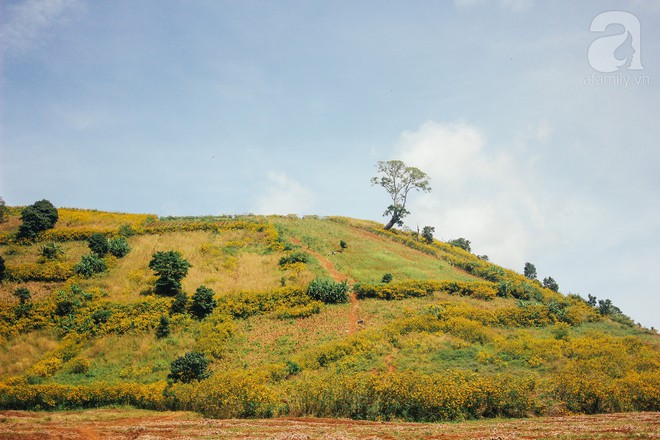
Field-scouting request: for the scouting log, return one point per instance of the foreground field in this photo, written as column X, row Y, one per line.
column 140, row 424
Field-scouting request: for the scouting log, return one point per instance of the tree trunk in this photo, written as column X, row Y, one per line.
column 391, row 223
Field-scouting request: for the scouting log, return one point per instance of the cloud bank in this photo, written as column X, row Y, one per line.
column 283, row 195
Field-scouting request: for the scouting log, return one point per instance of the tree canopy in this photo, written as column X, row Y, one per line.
column 398, row 179
column 40, row 216
column 170, row 268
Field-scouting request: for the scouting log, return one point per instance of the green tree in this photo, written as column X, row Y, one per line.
column 550, row 283
column 343, row 245
column 530, row 271
column 170, row 268
column 461, row 243
column 163, row 329
column 40, row 216
column 427, row 234
column 180, row 302
column 398, row 180
column 203, row 302
column 189, row 367
column 98, row 244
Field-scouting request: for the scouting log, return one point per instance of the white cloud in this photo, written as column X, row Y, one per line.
column 283, row 195
column 28, row 22
column 493, row 199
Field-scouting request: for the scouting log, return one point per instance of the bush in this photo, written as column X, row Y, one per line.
column 170, row 269
column 89, row 265
column 3, row 269
column 118, row 247
column 328, row 291
column 4, row 211
column 38, row 217
column 461, row 243
column 98, row 244
column 295, row 257
column 163, row 329
column 22, row 294
column 180, row 302
column 203, row 302
column 342, row 244
column 126, row 230
column 189, row 367
column 427, row 234
column 51, row 251
column 387, row 278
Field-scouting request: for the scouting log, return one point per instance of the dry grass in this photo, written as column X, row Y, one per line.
column 24, row 351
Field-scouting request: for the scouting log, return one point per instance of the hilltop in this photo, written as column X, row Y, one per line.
column 451, row 336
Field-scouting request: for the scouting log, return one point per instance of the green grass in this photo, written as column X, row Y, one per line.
column 368, row 256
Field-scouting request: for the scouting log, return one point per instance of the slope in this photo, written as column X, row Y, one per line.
column 451, row 337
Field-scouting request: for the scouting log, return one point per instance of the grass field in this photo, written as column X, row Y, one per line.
column 116, row 424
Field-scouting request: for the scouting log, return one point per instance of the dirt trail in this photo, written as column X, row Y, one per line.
column 354, row 315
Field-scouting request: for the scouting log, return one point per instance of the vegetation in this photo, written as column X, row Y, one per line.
column 98, row 244
column 4, row 211
column 551, row 284
column 38, row 217
column 203, row 302
column 447, row 336
column 170, row 268
column 398, row 180
column 192, row 366
column 89, row 265
column 530, row 271
column 461, row 243
column 427, row 234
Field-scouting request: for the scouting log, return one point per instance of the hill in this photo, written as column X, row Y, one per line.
column 304, row 325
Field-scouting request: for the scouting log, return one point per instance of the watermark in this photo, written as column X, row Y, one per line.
column 616, row 56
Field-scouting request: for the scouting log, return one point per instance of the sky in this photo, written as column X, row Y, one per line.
column 536, row 121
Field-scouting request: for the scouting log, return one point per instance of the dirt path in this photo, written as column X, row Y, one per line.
column 353, row 315
column 113, row 424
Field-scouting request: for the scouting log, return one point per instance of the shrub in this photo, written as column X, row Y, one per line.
column 342, row 244
column 89, row 265
column 98, row 244
column 180, row 302
column 163, row 329
column 203, row 302
column 189, row 367
column 51, row 251
column 295, row 257
column 461, row 243
column 3, row 269
column 126, row 230
column 38, row 217
column 22, row 294
column 328, row 291
column 387, row 278
column 78, row 365
column 170, row 268
column 427, row 234
column 119, row 247
column 4, row 211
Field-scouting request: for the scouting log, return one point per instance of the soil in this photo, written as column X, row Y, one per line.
column 119, row 424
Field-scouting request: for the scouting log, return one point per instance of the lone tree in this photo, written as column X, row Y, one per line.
column 192, row 366
column 462, row 243
column 40, row 216
column 170, row 269
column 398, row 179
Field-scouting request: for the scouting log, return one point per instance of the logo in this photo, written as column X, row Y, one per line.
column 616, row 51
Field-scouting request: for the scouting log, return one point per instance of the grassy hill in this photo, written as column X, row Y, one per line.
column 451, row 337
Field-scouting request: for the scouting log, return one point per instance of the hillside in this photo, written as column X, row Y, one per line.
column 450, row 337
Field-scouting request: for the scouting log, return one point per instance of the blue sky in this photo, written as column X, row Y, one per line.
column 209, row 107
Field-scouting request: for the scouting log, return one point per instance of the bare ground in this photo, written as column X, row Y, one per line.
column 148, row 425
